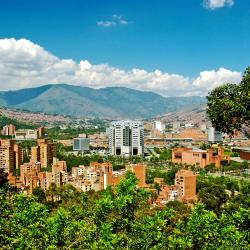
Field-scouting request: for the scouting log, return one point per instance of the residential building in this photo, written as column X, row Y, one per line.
column 40, row 132
column 184, row 189
column 10, row 155
column 186, row 180
column 126, row 138
column 44, row 152
column 9, row 130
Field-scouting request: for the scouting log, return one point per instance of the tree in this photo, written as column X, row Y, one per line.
column 39, row 194
column 229, row 106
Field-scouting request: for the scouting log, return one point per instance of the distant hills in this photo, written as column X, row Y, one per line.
column 110, row 103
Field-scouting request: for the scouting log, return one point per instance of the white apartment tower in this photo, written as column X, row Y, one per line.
column 126, row 138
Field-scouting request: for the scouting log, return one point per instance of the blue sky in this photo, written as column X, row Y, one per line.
column 182, row 37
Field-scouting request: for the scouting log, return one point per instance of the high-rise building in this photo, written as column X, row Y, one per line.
column 126, row 138
column 43, row 152
column 81, row 144
column 214, row 136
column 10, row 155
column 40, row 132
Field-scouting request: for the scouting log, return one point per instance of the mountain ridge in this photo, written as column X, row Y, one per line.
column 109, row 102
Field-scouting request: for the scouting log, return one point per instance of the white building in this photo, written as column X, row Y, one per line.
column 126, row 138
column 159, row 125
column 26, row 134
column 214, row 136
column 81, row 144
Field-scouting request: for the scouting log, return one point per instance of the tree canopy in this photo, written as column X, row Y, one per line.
column 121, row 218
column 228, row 106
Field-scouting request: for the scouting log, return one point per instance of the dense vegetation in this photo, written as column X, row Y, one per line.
column 229, row 106
column 19, row 124
column 70, row 133
column 121, row 218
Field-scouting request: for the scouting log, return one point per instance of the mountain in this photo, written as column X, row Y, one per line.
column 112, row 102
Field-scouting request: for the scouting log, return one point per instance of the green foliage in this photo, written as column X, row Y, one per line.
column 229, row 105
column 168, row 175
column 39, row 194
column 118, row 218
column 18, row 124
column 64, row 134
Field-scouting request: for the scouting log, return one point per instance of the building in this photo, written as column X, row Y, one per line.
column 9, row 130
column 11, row 155
column 126, row 138
column 176, row 125
column 81, row 144
column 29, row 176
column 26, row 134
column 159, row 126
column 198, row 157
column 40, row 132
column 184, row 189
column 44, row 152
column 140, row 172
column 244, row 154
column 214, row 136
column 186, row 180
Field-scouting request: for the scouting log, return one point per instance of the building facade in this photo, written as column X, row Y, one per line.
column 81, row 144
column 199, row 158
column 44, row 152
column 126, row 138
column 9, row 130
column 11, row 155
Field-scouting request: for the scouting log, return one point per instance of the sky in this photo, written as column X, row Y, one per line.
column 171, row 47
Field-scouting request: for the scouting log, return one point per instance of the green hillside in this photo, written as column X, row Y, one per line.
column 112, row 102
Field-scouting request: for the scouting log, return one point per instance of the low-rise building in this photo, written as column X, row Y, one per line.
column 198, row 157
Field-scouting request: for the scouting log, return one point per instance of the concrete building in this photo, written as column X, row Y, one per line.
column 200, row 158
column 214, row 136
column 186, row 180
column 245, row 154
column 159, row 126
column 40, row 132
column 9, row 130
column 81, row 144
column 126, row 138
column 11, row 155
column 184, row 189
column 44, row 152
column 29, row 176
column 26, row 134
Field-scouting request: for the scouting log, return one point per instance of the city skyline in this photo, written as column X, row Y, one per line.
column 171, row 48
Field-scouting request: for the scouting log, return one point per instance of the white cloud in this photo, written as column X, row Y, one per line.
column 115, row 20
column 214, row 4
column 106, row 23
column 25, row 64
